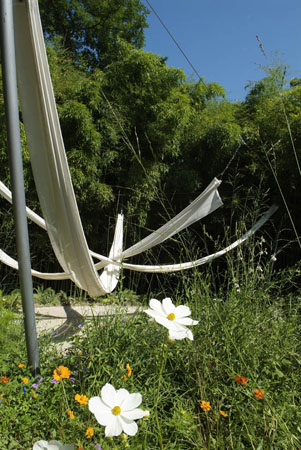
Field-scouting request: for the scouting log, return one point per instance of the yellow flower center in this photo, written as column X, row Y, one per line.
column 171, row 316
column 116, row 410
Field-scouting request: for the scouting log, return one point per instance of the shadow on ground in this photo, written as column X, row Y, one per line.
column 70, row 327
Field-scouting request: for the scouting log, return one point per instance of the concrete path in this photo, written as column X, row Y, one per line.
column 62, row 322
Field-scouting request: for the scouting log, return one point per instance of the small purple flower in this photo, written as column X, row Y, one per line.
column 35, row 385
column 80, row 326
column 52, row 358
column 75, row 372
column 72, row 379
column 24, row 389
column 55, row 332
column 41, row 380
column 54, row 381
column 123, row 319
column 98, row 446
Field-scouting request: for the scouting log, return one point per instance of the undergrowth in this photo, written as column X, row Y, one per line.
column 242, row 334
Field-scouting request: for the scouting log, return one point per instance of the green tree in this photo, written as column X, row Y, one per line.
column 91, row 28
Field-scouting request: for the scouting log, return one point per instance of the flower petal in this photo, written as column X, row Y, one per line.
column 187, row 321
column 101, row 411
column 129, row 426
column 108, row 395
column 40, row 445
column 114, row 428
column 178, row 335
column 134, row 414
column 121, row 397
column 156, row 305
column 165, row 322
column 131, row 402
column 175, row 326
column 168, row 306
column 182, row 311
column 54, row 445
column 154, row 314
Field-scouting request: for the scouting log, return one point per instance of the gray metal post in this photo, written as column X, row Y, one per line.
column 17, row 179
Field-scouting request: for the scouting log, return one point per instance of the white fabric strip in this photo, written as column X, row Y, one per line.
column 6, row 193
column 157, row 269
column 111, row 272
column 47, row 153
column 207, row 202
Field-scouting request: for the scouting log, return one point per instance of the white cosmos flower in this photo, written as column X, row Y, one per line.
column 51, row 445
column 174, row 318
column 117, row 410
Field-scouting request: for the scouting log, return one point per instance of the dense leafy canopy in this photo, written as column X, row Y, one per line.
column 91, row 28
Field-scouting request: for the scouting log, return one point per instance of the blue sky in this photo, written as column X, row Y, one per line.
column 219, row 38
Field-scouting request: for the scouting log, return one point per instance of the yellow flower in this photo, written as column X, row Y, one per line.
column 61, row 372
column 205, row 406
column 25, row 380
column 21, row 365
column 129, row 369
column 33, row 394
column 82, row 399
column 70, row 413
column 222, row 413
column 124, row 377
column 89, row 432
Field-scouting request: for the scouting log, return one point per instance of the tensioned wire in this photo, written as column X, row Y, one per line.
column 176, row 43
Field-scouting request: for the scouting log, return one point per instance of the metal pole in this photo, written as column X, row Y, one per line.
column 17, row 179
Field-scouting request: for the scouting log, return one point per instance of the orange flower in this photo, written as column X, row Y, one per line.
column 4, row 380
column 89, row 432
column 21, row 365
column 124, row 377
column 25, row 380
column 61, row 372
column 259, row 393
column 222, row 413
column 241, row 380
column 70, row 413
column 205, row 406
column 82, row 399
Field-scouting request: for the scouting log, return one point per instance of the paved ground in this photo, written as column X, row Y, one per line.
column 61, row 322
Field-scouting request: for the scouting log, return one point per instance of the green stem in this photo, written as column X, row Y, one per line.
column 163, row 363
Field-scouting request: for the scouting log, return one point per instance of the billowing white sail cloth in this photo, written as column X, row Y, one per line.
column 157, row 268
column 47, row 153
column 207, row 202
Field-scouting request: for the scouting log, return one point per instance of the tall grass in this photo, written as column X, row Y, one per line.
column 247, row 328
